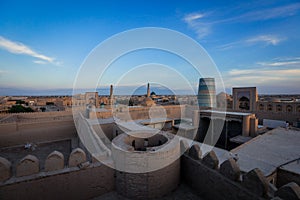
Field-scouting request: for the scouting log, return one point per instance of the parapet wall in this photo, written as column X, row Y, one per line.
column 285, row 116
column 81, row 179
column 226, row 182
column 265, row 114
column 13, row 134
column 172, row 111
column 34, row 116
column 18, row 129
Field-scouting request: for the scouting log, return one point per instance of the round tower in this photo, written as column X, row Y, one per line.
column 148, row 90
column 207, row 93
column 147, row 164
column 111, row 98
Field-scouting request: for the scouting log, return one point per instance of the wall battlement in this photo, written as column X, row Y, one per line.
column 30, row 165
column 82, row 179
column 202, row 173
column 211, row 181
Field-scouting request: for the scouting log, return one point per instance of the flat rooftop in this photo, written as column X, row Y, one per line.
column 134, row 126
column 240, row 139
column 185, row 126
column 155, row 120
column 100, row 110
column 101, row 121
column 269, row 151
column 226, row 113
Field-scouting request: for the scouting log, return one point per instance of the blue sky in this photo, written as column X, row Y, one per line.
column 253, row 43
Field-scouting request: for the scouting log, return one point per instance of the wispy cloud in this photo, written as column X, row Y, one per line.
column 282, row 62
column 193, row 16
column 19, row 48
column 3, row 72
column 230, row 45
column 40, row 62
column 203, row 23
column 267, row 78
column 269, row 13
column 193, row 21
column 264, row 74
column 264, row 40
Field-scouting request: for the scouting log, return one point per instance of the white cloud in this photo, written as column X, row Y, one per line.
column 19, row 48
column 193, row 21
column 192, row 17
column 266, row 39
column 238, row 72
column 202, row 23
column 270, row 13
column 264, row 72
column 230, row 45
column 280, row 62
column 40, row 62
column 285, row 74
column 271, row 80
column 3, row 72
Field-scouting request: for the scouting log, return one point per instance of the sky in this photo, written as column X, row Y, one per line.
column 252, row 43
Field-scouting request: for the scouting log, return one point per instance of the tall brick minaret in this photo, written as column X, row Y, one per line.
column 148, row 90
column 111, row 95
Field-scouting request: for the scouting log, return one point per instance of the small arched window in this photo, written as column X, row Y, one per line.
column 278, row 108
column 289, row 108
column 261, row 106
column 270, row 107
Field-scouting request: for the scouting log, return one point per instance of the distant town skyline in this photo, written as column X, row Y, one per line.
column 253, row 43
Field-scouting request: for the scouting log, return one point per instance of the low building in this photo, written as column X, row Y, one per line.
column 232, row 124
column 276, row 153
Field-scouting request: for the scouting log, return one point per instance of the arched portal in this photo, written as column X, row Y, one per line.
column 244, row 103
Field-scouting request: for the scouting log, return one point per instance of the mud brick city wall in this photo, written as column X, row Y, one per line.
column 70, row 183
column 172, row 111
column 225, row 181
column 18, row 129
column 209, row 183
column 143, row 112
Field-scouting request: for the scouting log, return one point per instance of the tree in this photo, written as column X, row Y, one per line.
column 19, row 108
column 20, row 102
column 130, row 102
